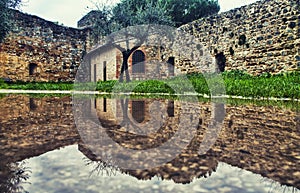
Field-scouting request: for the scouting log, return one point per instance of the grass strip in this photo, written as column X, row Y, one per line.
column 237, row 83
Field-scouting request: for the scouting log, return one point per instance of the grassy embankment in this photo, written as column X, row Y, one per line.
column 237, row 84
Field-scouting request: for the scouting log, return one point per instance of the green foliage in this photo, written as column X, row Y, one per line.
column 183, row 12
column 5, row 16
column 39, row 86
column 3, row 85
column 106, row 86
column 153, row 86
column 237, row 83
column 139, row 12
column 102, row 24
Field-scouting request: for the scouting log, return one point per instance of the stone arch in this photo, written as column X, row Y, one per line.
column 32, row 68
column 138, row 62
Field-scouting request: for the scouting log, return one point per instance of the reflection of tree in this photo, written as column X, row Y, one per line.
column 102, row 168
column 12, row 175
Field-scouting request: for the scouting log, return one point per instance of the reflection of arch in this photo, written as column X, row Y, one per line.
column 138, row 58
column 32, row 68
column 138, row 111
column 32, row 104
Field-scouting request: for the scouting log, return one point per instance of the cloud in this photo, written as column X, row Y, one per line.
column 227, row 5
column 69, row 12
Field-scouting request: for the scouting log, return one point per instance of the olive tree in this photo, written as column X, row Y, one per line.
column 145, row 12
column 122, row 18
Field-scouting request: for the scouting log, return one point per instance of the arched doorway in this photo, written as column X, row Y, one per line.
column 138, row 62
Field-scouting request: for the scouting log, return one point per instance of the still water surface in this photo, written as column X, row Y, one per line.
column 42, row 150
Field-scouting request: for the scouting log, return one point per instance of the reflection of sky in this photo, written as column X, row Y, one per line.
column 64, row 170
column 69, row 12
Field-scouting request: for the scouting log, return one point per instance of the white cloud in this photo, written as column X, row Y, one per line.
column 69, row 12
column 227, row 5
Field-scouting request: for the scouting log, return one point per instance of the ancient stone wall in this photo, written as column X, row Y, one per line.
column 40, row 50
column 33, row 126
column 260, row 37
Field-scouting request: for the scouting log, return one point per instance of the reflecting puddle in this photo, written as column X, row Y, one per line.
column 255, row 150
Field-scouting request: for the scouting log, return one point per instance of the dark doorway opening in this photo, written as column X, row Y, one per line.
column 138, row 62
column 104, row 71
column 104, row 105
column 95, row 73
column 32, row 69
column 171, row 64
column 221, row 61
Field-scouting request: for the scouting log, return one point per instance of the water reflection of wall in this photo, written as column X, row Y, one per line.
column 32, row 126
column 264, row 140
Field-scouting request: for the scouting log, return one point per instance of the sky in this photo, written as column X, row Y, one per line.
column 68, row 12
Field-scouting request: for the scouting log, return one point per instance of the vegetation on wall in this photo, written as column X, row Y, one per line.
column 5, row 16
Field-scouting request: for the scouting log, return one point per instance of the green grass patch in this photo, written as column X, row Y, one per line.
column 280, row 86
column 39, row 86
column 237, row 83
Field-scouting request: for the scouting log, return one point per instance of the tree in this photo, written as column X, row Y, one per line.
column 186, row 11
column 125, row 14
column 5, row 16
column 138, row 12
column 145, row 12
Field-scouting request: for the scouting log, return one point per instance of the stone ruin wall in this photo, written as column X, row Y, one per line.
column 260, row 37
column 257, row 38
column 40, row 50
